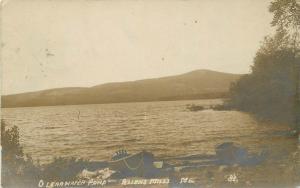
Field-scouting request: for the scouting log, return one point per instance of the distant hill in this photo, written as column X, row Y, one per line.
column 199, row 84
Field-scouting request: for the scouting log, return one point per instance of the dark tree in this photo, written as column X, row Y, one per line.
column 271, row 91
column 18, row 169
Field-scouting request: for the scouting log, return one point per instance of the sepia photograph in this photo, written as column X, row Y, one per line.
column 150, row 93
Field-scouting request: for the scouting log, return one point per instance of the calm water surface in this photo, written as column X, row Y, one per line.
column 167, row 129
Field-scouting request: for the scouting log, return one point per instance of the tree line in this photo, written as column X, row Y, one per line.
column 271, row 90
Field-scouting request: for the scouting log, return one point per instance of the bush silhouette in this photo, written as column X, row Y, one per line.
column 18, row 169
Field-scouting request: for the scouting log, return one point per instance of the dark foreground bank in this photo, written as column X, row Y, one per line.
column 231, row 165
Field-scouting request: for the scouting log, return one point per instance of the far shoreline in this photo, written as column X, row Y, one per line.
column 114, row 103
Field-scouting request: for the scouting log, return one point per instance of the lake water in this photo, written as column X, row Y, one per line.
column 167, row 129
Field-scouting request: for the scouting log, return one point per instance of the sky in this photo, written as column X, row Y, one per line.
column 80, row 43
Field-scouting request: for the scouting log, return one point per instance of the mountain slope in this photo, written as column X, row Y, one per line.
column 193, row 85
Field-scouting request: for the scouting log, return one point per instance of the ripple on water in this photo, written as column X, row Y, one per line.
column 164, row 128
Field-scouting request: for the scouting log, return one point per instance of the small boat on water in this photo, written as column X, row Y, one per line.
column 132, row 165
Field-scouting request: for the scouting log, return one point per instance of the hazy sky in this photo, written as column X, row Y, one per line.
column 60, row 43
